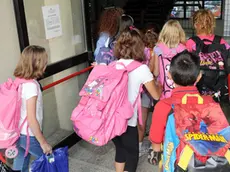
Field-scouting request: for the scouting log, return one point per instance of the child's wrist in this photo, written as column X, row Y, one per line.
column 43, row 142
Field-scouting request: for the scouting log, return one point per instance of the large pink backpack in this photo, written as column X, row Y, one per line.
column 10, row 112
column 104, row 109
column 164, row 65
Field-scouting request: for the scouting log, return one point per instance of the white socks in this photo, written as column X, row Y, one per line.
column 140, row 145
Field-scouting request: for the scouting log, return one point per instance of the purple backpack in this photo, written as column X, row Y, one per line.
column 105, row 54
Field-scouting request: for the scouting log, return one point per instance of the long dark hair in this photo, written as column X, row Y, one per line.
column 109, row 21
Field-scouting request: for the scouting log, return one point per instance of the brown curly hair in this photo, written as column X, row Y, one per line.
column 109, row 21
column 150, row 38
column 204, row 21
column 130, row 45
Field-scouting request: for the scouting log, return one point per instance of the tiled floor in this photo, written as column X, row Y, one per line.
column 85, row 157
column 58, row 136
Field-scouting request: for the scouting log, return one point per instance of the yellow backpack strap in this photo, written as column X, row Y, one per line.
column 227, row 156
column 184, row 99
column 185, row 157
column 161, row 161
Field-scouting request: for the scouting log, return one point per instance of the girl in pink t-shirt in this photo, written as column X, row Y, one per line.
column 204, row 23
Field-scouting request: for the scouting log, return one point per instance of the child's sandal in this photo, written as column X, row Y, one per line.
column 154, row 157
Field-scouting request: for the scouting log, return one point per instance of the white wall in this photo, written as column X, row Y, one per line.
column 9, row 47
column 60, row 100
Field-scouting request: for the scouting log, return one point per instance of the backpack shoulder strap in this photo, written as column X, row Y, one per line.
column 196, row 39
column 217, row 39
column 199, row 43
column 133, row 65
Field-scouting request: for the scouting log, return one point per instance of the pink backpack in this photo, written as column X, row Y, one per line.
column 148, row 55
column 104, row 109
column 164, row 65
column 10, row 112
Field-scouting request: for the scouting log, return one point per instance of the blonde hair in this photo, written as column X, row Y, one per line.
column 32, row 63
column 204, row 21
column 172, row 34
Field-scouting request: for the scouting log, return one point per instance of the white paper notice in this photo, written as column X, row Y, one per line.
column 52, row 21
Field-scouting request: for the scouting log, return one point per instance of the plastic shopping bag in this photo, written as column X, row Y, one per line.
column 56, row 162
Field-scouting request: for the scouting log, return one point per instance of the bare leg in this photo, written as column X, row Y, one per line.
column 141, row 128
column 119, row 167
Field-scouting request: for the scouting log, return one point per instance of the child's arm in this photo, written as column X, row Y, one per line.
column 190, row 45
column 159, row 121
column 34, row 125
column 156, row 147
column 154, row 156
column 152, row 62
column 156, row 65
column 156, row 134
column 154, row 89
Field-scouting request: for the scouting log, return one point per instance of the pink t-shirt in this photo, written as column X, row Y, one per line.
column 191, row 45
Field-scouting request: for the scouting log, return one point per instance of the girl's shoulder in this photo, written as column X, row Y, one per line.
column 30, row 89
column 181, row 47
column 190, row 45
column 158, row 49
column 32, row 84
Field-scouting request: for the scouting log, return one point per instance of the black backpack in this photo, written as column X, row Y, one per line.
column 214, row 68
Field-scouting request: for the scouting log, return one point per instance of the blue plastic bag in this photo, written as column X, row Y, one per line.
column 56, row 162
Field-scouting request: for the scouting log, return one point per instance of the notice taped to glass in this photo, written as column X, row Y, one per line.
column 52, row 21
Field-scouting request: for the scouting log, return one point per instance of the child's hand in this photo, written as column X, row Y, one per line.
column 47, row 149
column 154, row 157
column 94, row 63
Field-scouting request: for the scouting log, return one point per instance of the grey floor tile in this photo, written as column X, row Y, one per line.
column 58, row 136
column 100, row 158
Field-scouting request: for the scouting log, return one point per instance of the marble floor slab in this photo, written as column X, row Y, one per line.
column 58, row 136
column 85, row 157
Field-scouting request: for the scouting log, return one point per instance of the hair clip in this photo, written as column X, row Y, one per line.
column 123, row 15
column 131, row 27
column 149, row 30
column 110, row 7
